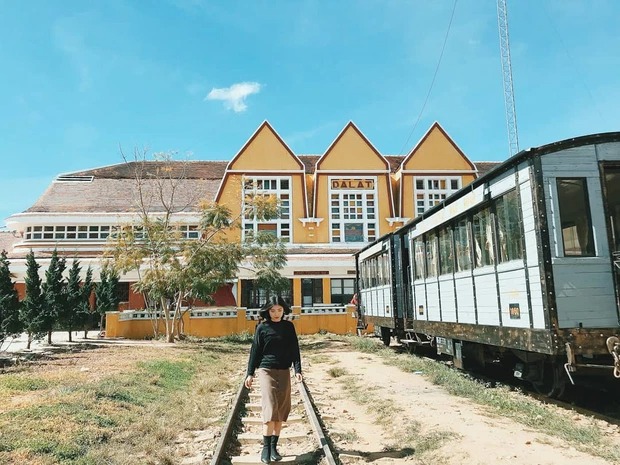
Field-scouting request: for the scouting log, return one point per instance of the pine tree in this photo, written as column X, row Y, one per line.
column 10, row 325
column 106, row 294
column 32, row 305
column 68, row 317
column 85, row 311
column 53, row 294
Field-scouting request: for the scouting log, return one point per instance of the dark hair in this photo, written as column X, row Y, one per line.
column 264, row 310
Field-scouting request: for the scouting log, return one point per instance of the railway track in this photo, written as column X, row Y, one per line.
column 302, row 440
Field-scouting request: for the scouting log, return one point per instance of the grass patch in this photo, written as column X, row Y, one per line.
column 241, row 338
column 169, row 374
column 347, row 436
column 132, row 417
column 320, row 358
column 22, row 383
column 336, row 372
column 367, row 345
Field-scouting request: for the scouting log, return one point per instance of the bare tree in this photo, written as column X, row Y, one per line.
column 175, row 270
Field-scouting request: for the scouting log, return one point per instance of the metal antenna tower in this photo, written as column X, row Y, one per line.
column 509, row 99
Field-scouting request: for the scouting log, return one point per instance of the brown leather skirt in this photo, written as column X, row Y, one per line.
column 275, row 388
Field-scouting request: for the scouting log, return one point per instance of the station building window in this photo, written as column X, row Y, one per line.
column 122, row 291
column 252, row 296
column 96, row 232
column 353, row 210
column 279, row 187
column 311, row 292
column 429, row 191
column 342, row 290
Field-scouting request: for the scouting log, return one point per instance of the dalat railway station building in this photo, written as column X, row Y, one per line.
column 332, row 205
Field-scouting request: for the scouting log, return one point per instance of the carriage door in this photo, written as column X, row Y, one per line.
column 611, row 179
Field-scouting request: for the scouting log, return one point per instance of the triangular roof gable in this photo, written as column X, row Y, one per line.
column 425, row 154
column 265, row 151
column 351, row 142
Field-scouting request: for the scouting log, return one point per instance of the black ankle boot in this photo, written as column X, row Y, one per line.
column 265, row 454
column 274, row 452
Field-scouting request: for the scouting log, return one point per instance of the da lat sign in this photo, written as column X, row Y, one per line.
column 353, row 183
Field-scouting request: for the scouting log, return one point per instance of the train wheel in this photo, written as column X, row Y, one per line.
column 386, row 336
column 553, row 380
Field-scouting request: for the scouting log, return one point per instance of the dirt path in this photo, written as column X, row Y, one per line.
column 453, row 429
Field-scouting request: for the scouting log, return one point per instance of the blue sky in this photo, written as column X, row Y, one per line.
column 82, row 79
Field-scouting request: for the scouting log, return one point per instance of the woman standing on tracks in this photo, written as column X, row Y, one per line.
column 274, row 349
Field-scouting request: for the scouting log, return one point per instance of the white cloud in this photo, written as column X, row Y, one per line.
column 235, row 95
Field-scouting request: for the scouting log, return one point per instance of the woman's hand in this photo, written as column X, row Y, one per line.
column 299, row 377
column 248, row 381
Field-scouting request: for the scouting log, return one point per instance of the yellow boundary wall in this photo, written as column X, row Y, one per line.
column 224, row 321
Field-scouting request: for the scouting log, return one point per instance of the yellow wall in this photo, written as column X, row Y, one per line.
column 349, row 154
column 435, row 152
column 299, row 233
column 338, row 323
column 267, row 151
column 352, row 151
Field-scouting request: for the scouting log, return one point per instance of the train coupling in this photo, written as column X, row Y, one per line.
column 613, row 345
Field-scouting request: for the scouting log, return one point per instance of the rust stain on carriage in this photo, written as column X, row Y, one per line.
column 583, row 341
column 588, row 341
column 514, row 338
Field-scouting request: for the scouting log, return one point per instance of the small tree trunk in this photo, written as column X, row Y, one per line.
column 85, row 334
column 49, row 337
column 70, row 340
column 29, row 341
column 169, row 324
column 101, row 323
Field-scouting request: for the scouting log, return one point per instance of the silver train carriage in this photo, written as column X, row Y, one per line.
column 521, row 266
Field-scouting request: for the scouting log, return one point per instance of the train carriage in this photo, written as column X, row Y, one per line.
column 521, row 266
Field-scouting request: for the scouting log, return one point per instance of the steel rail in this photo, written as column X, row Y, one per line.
column 316, row 425
column 227, row 430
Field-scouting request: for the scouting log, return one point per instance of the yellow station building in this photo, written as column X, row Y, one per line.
column 332, row 205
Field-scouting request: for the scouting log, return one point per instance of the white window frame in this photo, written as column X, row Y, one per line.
column 284, row 224
column 91, row 232
column 368, row 219
column 433, row 193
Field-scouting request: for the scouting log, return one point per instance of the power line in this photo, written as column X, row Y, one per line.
column 433, row 81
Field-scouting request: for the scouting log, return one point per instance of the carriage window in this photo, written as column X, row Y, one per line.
column 509, row 227
column 612, row 199
column 575, row 217
column 483, row 238
column 431, row 255
column 419, row 258
column 386, row 269
column 462, row 247
column 446, row 252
